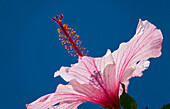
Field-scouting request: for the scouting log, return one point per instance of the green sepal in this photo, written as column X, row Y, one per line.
column 167, row 106
column 126, row 101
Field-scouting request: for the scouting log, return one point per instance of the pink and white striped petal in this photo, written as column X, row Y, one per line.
column 71, row 96
column 145, row 44
column 64, row 93
column 81, row 71
column 87, row 71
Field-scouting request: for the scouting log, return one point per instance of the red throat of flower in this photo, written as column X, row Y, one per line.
column 69, row 38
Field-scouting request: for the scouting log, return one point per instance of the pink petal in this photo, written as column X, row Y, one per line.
column 70, row 96
column 64, row 93
column 97, row 96
column 111, row 84
column 145, row 44
column 132, row 72
column 87, row 89
column 109, row 78
column 141, row 66
column 87, row 71
column 101, row 63
column 63, row 72
column 37, row 104
column 81, row 71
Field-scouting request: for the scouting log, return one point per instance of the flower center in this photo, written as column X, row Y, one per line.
column 95, row 79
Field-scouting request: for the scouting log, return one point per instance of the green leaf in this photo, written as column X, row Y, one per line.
column 126, row 101
column 167, row 106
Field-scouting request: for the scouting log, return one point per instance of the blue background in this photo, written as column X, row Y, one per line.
column 30, row 51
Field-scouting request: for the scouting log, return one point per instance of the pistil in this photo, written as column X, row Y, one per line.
column 59, row 22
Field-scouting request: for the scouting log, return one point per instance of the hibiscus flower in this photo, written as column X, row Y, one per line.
column 98, row 80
